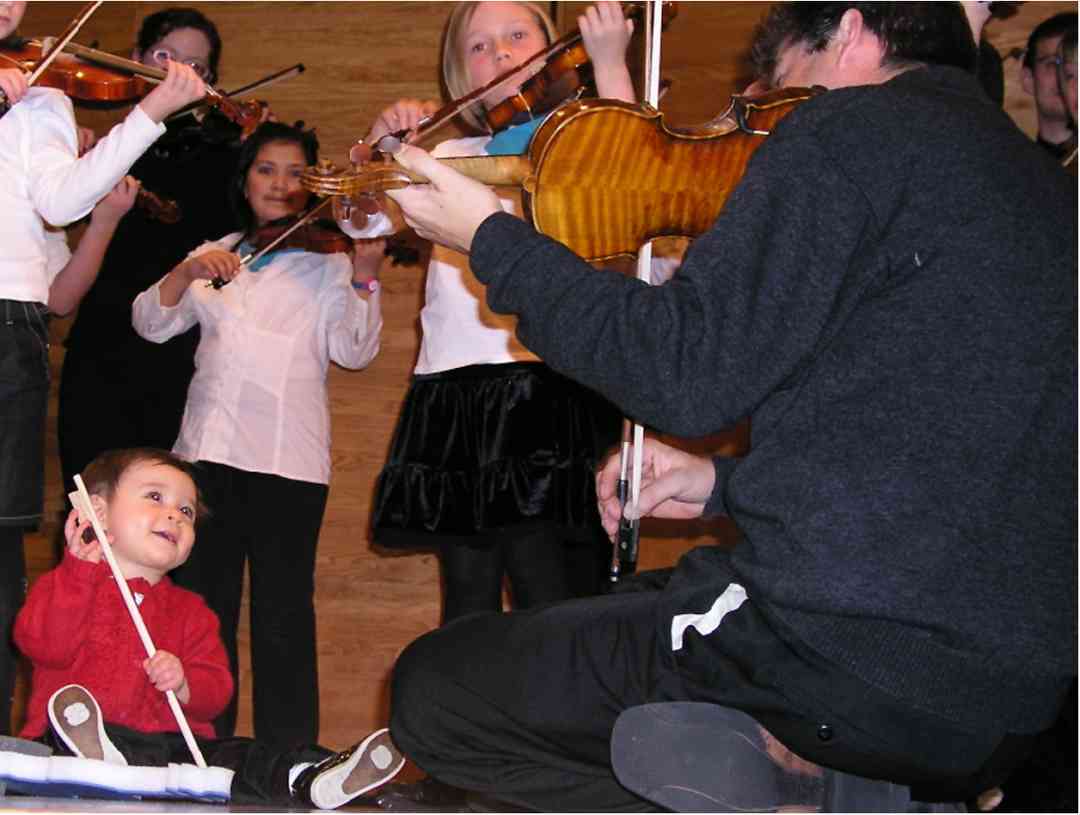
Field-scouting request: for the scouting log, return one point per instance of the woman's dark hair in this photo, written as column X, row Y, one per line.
column 159, row 25
column 912, row 33
column 266, row 133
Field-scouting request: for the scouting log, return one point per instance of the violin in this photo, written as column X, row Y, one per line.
column 558, row 80
column 157, row 208
column 309, row 234
column 323, row 236
column 319, row 235
column 76, row 79
column 582, row 180
column 98, row 76
column 566, row 74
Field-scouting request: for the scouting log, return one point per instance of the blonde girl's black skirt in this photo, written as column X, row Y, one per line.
column 486, row 447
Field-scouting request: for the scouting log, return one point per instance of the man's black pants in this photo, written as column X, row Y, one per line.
column 522, row 705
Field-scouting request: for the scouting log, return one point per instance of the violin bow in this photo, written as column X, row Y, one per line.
column 251, row 257
column 80, row 499
column 64, row 39
column 251, row 87
column 624, row 553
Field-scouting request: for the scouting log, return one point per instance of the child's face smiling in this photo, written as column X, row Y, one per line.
column 151, row 518
column 11, row 14
column 273, row 186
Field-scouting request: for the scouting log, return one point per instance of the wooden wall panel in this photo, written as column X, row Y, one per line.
column 359, row 58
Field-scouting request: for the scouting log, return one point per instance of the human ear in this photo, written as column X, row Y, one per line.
column 1027, row 80
column 101, row 509
column 849, row 30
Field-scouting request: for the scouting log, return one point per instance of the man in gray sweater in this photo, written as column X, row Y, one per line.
column 890, row 294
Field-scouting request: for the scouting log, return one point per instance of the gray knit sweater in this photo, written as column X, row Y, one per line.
column 890, row 294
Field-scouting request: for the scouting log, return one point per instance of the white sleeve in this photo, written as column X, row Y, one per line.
column 353, row 325
column 157, row 323
column 65, row 187
column 57, row 252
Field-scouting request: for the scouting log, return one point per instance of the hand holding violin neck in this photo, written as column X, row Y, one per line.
column 380, row 176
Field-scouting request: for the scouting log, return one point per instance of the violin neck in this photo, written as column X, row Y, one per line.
column 113, row 61
column 494, row 171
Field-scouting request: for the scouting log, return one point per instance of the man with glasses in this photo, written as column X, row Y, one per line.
column 1039, row 77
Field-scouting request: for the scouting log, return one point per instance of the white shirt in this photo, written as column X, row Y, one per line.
column 458, row 327
column 43, row 181
column 258, row 399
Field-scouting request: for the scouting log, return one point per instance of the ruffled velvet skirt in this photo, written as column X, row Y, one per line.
column 486, row 447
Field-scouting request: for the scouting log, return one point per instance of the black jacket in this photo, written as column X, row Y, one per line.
column 890, row 294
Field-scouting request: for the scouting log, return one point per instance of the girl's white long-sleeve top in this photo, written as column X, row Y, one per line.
column 44, row 181
column 258, row 400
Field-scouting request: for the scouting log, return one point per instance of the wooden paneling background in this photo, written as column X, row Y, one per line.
column 359, row 58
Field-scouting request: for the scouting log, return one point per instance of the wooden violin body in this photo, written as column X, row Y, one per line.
column 611, row 176
column 606, row 177
column 77, row 79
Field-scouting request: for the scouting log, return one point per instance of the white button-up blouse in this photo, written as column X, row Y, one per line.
column 258, row 400
column 43, row 181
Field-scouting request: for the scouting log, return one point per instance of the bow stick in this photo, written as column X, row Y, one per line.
column 251, row 257
column 628, row 489
column 80, row 499
column 251, row 87
column 64, row 39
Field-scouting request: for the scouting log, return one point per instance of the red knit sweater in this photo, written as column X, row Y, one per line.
column 75, row 628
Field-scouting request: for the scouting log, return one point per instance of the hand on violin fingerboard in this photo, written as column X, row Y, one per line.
column 404, row 114
column 181, row 87
column 450, row 208
column 606, row 34
column 12, row 84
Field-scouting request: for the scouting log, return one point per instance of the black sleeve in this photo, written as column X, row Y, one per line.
column 724, row 467
column 746, row 310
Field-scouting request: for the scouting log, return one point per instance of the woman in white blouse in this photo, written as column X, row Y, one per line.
column 257, row 418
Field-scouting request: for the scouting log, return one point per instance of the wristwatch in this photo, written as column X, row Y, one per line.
column 370, row 285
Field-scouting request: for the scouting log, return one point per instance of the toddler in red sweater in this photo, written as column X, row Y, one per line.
column 105, row 700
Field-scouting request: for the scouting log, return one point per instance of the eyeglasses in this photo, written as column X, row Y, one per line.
column 163, row 56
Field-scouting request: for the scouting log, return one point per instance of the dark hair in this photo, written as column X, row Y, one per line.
column 266, row 133
column 1054, row 26
column 912, row 33
column 103, row 474
column 1067, row 49
column 161, row 24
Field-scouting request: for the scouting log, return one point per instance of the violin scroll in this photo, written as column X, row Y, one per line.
column 157, row 208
